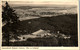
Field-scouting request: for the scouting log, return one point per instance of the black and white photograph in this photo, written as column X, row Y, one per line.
column 43, row 24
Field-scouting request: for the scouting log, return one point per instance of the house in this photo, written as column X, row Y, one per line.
column 41, row 33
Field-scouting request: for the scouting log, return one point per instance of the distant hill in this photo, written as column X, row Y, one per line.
column 42, row 6
column 38, row 11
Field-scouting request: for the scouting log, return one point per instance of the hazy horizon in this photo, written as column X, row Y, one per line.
column 42, row 3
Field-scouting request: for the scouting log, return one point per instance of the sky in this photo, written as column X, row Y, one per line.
column 43, row 2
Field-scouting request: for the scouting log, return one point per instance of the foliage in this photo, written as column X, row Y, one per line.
column 8, row 14
column 9, row 17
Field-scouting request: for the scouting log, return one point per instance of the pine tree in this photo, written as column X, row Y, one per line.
column 9, row 17
column 9, row 14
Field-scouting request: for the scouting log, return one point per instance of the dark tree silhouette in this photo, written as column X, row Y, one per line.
column 9, row 14
column 9, row 17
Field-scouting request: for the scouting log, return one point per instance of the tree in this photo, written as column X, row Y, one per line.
column 9, row 17
column 9, row 14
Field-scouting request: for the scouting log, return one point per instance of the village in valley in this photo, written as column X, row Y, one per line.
column 40, row 34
